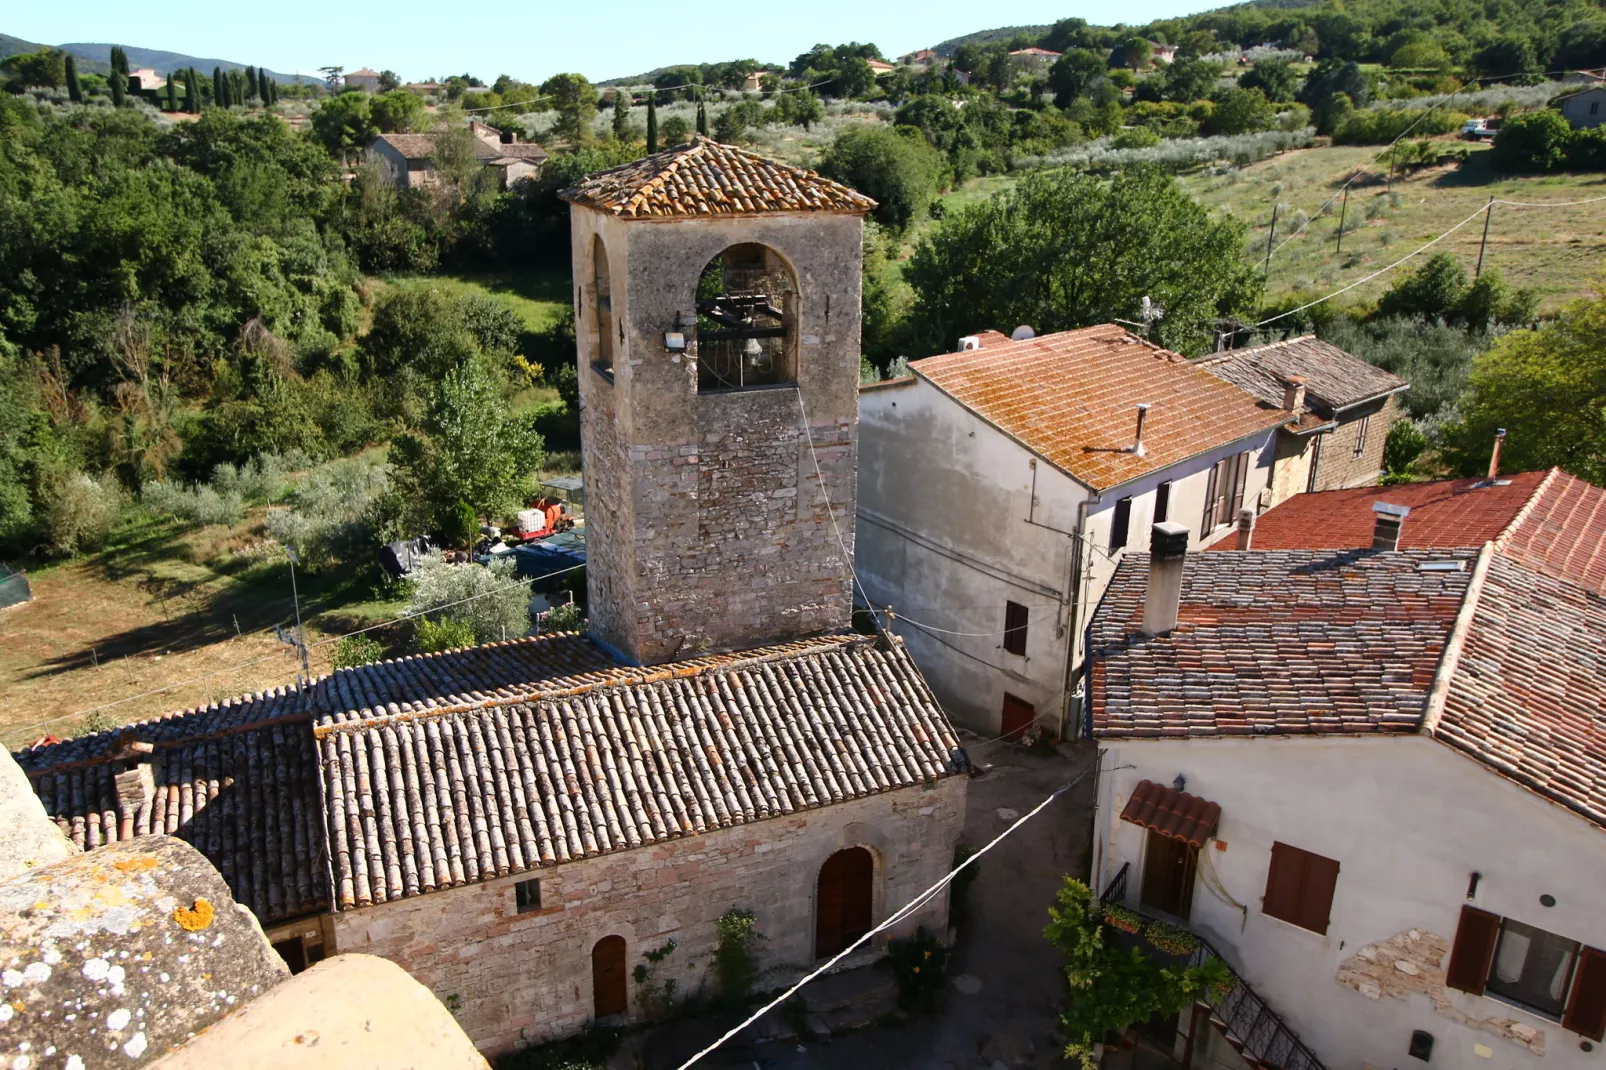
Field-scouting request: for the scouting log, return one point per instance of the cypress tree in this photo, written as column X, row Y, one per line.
column 236, row 88
column 218, row 92
column 74, row 90
column 119, row 60
column 192, row 92
column 621, row 114
column 702, row 117
column 172, row 91
column 652, row 121
column 115, row 80
column 251, row 83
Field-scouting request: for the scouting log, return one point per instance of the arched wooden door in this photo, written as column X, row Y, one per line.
column 608, row 976
column 843, row 900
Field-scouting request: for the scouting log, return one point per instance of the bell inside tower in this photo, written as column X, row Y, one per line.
column 746, row 321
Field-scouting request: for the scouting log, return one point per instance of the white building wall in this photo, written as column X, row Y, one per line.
column 948, row 531
column 1409, row 821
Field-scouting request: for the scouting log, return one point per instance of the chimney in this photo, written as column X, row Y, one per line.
column 1138, row 449
column 1168, row 549
column 1246, row 527
column 1494, row 458
column 1386, row 530
column 1294, row 393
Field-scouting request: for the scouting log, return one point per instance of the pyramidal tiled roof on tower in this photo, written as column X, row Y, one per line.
column 706, row 178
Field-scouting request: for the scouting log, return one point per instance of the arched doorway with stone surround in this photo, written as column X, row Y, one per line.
column 608, row 976
column 844, row 900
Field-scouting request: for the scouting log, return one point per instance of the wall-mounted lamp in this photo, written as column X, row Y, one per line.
column 674, row 341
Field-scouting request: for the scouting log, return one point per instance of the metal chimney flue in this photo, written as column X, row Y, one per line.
column 1494, row 456
column 1168, row 551
column 1389, row 524
column 1138, row 448
column 1246, row 527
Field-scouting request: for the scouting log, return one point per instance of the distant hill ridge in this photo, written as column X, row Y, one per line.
column 96, row 57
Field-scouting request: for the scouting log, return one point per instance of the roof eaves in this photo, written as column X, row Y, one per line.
column 1527, row 509
column 1402, row 388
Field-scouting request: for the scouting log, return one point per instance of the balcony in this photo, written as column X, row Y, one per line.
column 1246, row 1021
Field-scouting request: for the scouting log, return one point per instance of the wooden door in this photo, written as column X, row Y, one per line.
column 843, row 900
column 1168, row 868
column 1017, row 717
column 608, row 976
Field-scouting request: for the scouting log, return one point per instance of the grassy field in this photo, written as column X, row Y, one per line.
column 538, row 296
column 1556, row 251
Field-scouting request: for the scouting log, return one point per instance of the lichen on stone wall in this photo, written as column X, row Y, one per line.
column 1413, row 962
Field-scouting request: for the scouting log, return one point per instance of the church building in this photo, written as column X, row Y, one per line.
column 545, row 830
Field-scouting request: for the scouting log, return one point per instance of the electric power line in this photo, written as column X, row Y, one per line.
column 909, row 908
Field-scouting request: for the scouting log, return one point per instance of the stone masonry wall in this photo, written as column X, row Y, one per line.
column 519, row 979
column 725, row 537
column 1339, row 467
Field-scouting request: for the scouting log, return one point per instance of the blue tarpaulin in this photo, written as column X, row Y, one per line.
column 14, row 588
column 562, row 551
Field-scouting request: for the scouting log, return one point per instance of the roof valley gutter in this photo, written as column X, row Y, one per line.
column 1455, row 642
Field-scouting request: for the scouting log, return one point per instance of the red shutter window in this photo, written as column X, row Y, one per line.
column 1586, row 1010
column 1475, row 938
column 1299, row 887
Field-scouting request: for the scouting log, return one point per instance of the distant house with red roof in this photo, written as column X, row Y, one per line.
column 1000, row 484
column 1365, row 759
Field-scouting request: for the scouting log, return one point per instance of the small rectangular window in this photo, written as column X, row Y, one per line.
column 1360, row 435
column 1162, row 502
column 528, row 895
column 1015, row 628
column 1532, row 968
column 1120, row 523
column 1299, row 887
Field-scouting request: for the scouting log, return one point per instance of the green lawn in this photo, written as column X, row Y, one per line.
column 537, row 295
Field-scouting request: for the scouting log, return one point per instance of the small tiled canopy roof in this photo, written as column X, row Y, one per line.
column 425, row 772
column 706, row 178
column 1072, row 397
column 1333, row 378
column 1172, row 813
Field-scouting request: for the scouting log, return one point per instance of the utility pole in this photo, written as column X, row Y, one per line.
column 1271, row 237
column 1488, row 213
column 300, row 641
column 1343, row 212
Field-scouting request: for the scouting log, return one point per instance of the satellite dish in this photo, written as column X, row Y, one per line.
column 1021, row 333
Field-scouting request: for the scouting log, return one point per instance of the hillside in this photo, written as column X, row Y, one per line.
column 986, row 37
column 95, row 57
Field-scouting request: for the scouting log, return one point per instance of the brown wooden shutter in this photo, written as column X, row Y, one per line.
column 1015, row 618
column 1282, row 883
column 1586, row 1010
column 1240, row 477
column 1475, row 938
column 1316, row 893
column 1207, row 523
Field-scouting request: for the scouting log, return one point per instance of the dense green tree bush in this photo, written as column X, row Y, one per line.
column 1064, row 250
column 895, row 166
column 1533, row 141
column 489, row 603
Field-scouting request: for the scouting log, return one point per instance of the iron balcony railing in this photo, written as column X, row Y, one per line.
column 1249, row 1021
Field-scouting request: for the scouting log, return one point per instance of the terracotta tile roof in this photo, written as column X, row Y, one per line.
column 422, row 803
column 411, row 146
column 1562, row 533
column 1444, row 513
column 1287, row 642
column 706, row 178
column 1333, row 378
column 422, row 147
column 1528, row 695
column 1071, row 399
column 563, row 753
column 1172, row 813
column 991, row 338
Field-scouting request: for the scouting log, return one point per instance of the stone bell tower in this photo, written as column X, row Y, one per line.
column 717, row 315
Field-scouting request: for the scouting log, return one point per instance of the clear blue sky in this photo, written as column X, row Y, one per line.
column 606, row 39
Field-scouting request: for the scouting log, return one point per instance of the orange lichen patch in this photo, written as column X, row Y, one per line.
column 196, row 918
column 133, row 865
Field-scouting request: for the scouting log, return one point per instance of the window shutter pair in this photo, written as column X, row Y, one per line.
column 1299, row 887
column 1475, row 940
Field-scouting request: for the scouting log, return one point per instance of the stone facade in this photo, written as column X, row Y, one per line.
column 1340, row 466
column 709, row 528
column 518, row 979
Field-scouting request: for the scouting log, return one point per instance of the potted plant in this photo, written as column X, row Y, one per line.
column 1121, row 918
column 1170, row 938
